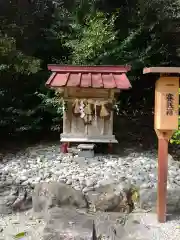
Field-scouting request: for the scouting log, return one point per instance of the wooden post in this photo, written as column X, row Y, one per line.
column 163, row 139
column 64, row 147
column 162, row 179
column 110, row 148
column 165, row 123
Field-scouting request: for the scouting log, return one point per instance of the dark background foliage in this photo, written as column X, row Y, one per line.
column 34, row 33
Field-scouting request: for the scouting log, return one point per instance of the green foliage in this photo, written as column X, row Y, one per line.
column 15, row 69
column 54, row 106
column 92, row 39
column 20, row 235
column 100, row 38
column 176, row 136
column 14, row 60
column 36, row 33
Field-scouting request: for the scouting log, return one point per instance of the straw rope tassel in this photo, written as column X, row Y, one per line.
column 76, row 106
column 87, row 109
column 103, row 112
column 82, row 109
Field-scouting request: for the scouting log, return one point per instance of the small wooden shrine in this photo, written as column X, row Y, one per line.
column 88, row 94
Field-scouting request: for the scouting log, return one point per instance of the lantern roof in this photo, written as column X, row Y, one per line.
column 109, row 77
column 172, row 70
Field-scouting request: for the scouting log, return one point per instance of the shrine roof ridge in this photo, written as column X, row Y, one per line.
column 90, row 69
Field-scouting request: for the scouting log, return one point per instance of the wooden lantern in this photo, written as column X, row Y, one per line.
column 93, row 85
column 167, row 103
column 165, row 123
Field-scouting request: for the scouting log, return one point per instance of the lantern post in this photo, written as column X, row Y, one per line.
column 165, row 123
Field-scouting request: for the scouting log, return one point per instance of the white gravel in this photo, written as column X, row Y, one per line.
column 11, row 225
column 147, row 229
column 45, row 163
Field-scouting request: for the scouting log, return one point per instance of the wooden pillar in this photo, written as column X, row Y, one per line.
column 163, row 139
column 110, row 148
column 64, row 147
column 162, row 179
column 67, row 117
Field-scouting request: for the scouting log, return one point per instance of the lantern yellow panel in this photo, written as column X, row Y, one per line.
column 167, row 103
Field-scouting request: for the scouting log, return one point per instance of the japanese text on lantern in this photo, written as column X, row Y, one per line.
column 169, row 104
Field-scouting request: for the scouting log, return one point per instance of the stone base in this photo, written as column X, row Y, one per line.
column 86, row 150
column 88, row 139
column 148, row 200
column 65, row 223
column 86, row 153
column 68, row 224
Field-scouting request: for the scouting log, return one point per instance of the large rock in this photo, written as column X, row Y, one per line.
column 109, row 226
column 6, row 200
column 108, row 199
column 68, row 224
column 148, row 199
column 135, row 228
column 17, row 199
column 48, row 195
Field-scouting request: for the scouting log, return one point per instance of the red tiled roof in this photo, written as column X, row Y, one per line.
column 89, row 76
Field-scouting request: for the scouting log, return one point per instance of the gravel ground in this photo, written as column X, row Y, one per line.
column 45, row 163
column 13, row 224
column 147, row 227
